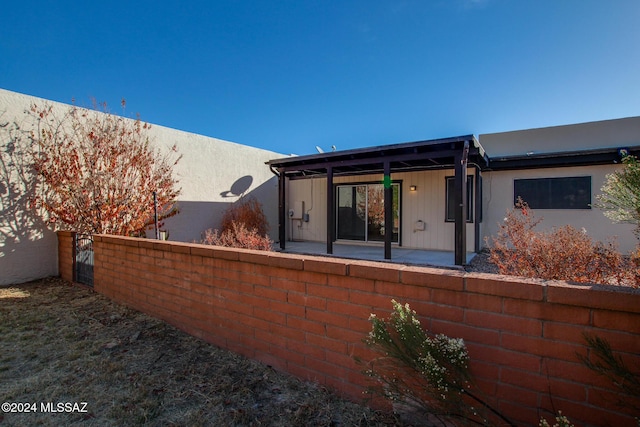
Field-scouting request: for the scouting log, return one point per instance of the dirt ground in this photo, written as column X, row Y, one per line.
column 70, row 356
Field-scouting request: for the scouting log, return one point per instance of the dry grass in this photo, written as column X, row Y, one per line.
column 62, row 343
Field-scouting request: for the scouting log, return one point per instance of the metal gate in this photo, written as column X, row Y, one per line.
column 84, row 259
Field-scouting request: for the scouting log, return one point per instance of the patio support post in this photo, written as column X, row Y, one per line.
column 388, row 210
column 460, row 184
column 282, row 216
column 477, row 204
column 331, row 215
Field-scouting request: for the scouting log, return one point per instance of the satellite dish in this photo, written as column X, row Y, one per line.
column 320, row 150
column 333, row 148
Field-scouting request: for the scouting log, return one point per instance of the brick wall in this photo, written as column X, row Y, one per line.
column 307, row 315
column 66, row 254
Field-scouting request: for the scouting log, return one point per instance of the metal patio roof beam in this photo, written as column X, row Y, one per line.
column 369, row 161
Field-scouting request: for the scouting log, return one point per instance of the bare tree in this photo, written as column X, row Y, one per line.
column 97, row 171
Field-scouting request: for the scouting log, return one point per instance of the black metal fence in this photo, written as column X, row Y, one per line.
column 83, row 270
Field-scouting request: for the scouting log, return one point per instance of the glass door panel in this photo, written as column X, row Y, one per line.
column 352, row 202
column 375, row 213
column 360, row 214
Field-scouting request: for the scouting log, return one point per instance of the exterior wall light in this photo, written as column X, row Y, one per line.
column 413, row 188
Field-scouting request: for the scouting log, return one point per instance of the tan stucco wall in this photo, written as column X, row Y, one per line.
column 617, row 133
column 498, row 199
column 498, row 186
column 213, row 174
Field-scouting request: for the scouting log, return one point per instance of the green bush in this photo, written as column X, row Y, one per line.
column 620, row 198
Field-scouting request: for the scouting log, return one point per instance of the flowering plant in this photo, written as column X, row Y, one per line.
column 420, row 372
column 561, row 421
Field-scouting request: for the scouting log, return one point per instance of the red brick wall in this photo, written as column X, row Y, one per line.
column 65, row 254
column 307, row 316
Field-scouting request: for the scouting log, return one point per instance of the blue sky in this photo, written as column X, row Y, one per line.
column 287, row 75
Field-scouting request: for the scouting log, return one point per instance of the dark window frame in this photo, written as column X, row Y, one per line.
column 449, row 192
column 561, row 193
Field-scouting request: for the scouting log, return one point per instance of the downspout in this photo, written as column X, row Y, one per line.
column 477, row 211
column 465, row 154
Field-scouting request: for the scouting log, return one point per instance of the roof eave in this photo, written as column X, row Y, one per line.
column 562, row 159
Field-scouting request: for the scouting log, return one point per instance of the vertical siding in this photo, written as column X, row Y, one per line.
column 426, row 204
column 313, row 192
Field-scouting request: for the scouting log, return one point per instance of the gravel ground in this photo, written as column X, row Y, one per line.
column 481, row 264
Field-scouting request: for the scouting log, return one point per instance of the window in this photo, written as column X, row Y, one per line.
column 360, row 212
column 554, row 193
column 451, row 199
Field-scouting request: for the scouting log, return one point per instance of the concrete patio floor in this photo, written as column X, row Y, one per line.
column 375, row 252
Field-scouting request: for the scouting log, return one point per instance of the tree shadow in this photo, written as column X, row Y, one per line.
column 24, row 236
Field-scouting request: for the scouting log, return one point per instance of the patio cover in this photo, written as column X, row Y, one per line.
column 449, row 153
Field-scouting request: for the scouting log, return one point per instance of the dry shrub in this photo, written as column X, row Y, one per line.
column 238, row 236
column 561, row 254
column 244, row 225
column 247, row 211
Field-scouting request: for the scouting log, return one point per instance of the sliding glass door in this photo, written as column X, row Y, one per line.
column 360, row 212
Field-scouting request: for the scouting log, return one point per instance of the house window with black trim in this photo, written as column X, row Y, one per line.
column 573, row 192
column 450, row 215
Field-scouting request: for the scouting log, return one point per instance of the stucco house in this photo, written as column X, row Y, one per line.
column 450, row 194
column 445, row 194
